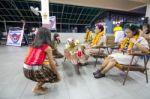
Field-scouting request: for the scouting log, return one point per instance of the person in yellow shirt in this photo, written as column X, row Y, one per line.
column 88, row 35
column 117, row 28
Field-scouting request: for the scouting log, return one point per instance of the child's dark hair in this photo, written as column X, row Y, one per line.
column 43, row 36
column 133, row 28
column 148, row 27
column 55, row 38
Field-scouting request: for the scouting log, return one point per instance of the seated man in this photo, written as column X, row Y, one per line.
column 132, row 42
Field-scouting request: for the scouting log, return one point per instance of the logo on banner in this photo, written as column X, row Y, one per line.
column 52, row 22
column 15, row 37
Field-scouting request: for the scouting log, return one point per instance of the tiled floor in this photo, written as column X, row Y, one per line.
column 13, row 84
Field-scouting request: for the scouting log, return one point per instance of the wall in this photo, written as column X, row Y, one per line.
column 79, row 36
column 65, row 36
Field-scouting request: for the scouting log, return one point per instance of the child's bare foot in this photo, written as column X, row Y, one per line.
column 44, row 88
column 39, row 91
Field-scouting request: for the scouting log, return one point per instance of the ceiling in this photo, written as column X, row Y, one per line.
column 15, row 10
column 124, row 5
column 142, row 1
column 73, row 12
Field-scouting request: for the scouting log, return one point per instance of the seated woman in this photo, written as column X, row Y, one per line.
column 55, row 42
column 146, row 31
column 98, row 39
column 88, row 35
column 132, row 42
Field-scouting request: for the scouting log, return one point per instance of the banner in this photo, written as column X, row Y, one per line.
column 15, row 37
column 52, row 22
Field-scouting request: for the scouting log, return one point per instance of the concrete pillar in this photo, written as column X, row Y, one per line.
column 148, row 12
column 45, row 13
column 109, row 26
column 5, row 26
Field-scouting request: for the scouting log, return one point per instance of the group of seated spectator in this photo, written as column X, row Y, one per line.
column 135, row 39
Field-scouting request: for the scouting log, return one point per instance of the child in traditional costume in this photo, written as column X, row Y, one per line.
column 34, row 68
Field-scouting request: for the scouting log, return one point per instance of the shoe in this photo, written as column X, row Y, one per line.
column 99, row 75
column 98, row 71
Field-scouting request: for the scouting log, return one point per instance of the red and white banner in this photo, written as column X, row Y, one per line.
column 15, row 37
column 52, row 22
